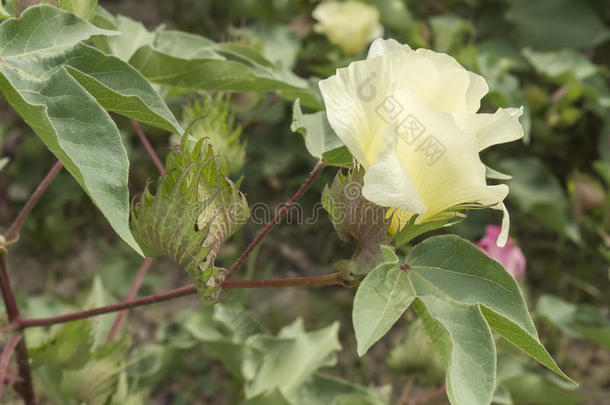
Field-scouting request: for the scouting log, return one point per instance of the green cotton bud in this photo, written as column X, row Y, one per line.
column 213, row 118
column 354, row 217
column 196, row 208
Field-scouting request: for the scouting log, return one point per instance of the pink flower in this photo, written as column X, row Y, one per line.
column 510, row 256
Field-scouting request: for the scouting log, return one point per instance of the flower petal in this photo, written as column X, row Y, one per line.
column 503, row 236
column 380, row 46
column 352, row 98
column 387, row 184
column 491, row 129
column 442, row 161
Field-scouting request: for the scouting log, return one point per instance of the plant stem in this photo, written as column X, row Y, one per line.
column 6, row 357
column 135, row 286
column 314, row 281
column 261, row 110
column 314, row 173
column 431, row 395
column 24, row 386
column 148, row 146
column 14, row 228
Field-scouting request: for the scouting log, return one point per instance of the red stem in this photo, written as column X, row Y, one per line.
column 314, row 173
column 261, row 110
column 24, row 386
column 14, row 228
column 148, row 147
column 135, row 286
column 6, row 357
column 431, row 395
column 315, row 281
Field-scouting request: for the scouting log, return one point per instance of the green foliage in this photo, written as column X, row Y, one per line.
column 195, row 209
column 382, row 297
column 75, row 364
column 320, row 139
column 278, row 369
column 461, row 295
column 537, row 191
column 518, row 382
column 187, row 62
column 557, row 23
column 579, row 321
column 62, row 87
column 66, row 69
column 82, row 8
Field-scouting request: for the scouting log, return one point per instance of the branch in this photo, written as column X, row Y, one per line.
column 314, row 281
column 6, row 357
column 261, row 110
column 314, row 173
column 24, row 386
column 431, row 395
column 14, row 228
column 148, row 146
column 135, row 286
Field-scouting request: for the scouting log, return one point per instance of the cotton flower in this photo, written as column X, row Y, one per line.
column 510, row 256
column 409, row 117
column 351, row 25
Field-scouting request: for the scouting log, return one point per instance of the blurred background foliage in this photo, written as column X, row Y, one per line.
column 550, row 56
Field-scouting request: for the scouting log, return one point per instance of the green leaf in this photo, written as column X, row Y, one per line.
column 82, row 8
column 282, row 368
column 549, row 24
column 525, row 384
column 579, row 321
column 188, row 62
column 339, row 157
column 292, row 357
column 3, row 162
column 3, row 11
column 537, row 191
column 462, row 293
column 449, row 31
column 62, row 88
column 466, row 346
column 320, row 139
column 195, row 209
column 135, row 35
column 382, row 297
column 412, row 230
column 563, row 63
column 101, row 324
column 67, row 348
column 323, row 390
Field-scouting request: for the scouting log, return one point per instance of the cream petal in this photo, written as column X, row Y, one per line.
column 442, row 162
column 503, row 236
column 476, row 91
column 387, row 184
column 457, row 90
column 380, row 46
column 491, row 129
column 350, row 97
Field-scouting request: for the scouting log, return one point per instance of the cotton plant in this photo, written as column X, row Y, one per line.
column 402, row 126
column 405, row 125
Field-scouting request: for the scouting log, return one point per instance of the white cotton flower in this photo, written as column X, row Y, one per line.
column 351, row 25
column 409, row 117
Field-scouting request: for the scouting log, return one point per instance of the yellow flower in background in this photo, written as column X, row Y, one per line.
column 351, row 25
column 409, row 117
